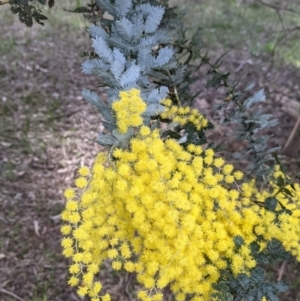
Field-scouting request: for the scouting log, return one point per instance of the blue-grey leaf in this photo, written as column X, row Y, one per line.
column 183, row 139
column 108, row 125
column 250, row 87
column 145, row 59
column 153, row 109
column 102, row 49
column 95, row 100
column 96, row 31
column 130, row 75
column 118, row 65
column 158, row 94
column 138, row 25
column 87, row 67
column 106, row 140
column 122, row 7
column 90, row 66
column 125, row 29
column 117, row 41
column 154, row 18
column 257, row 97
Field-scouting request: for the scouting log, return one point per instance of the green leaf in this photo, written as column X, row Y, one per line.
column 281, row 286
column 106, row 140
column 254, row 248
column 238, row 241
column 79, row 10
column 171, row 134
column 257, row 275
column 287, row 191
column 271, row 203
column 280, row 181
column 108, row 125
column 284, row 211
column 243, row 280
column 221, row 286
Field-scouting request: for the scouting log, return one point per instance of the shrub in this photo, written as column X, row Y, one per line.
column 26, row 11
column 159, row 203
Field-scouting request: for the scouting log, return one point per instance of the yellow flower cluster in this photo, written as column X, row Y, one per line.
column 289, row 223
column 170, row 215
column 128, row 109
column 183, row 115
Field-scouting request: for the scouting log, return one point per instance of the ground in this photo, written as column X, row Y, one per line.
column 45, row 126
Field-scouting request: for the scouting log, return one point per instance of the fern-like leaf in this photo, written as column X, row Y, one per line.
column 117, row 41
column 122, row 7
column 130, row 75
column 102, row 49
column 164, row 56
column 95, row 100
column 145, row 59
column 162, row 37
column 88, row 67
column 138, row 24
column 100, row 64
column 96, row 31
column 154, row 18
column 153, row 109
column 125, row 28
column 148, row 41
column 118, row 65
column 156, row 95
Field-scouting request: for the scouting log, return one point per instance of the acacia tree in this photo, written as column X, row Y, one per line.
column 159, row 203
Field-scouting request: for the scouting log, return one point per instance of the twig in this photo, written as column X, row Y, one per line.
column 281, row 271
column 286, row 31
column 284, row 36
column 280, row 19
column 4, row 291
column 65, row 115
column 58, row 116
column 278, row 8
column 127, row 284
column 292, row 135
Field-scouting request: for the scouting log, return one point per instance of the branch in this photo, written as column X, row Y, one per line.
column 4, row 291
column 278, row 8
column 281, row 271
column 292, row 135
column 286, row 31
column 281, row 39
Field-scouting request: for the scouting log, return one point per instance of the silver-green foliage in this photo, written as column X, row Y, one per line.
column 134, row 48
column 250, row 125
column 129, row 47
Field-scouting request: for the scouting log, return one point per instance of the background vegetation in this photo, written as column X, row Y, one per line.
column 44, row 122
